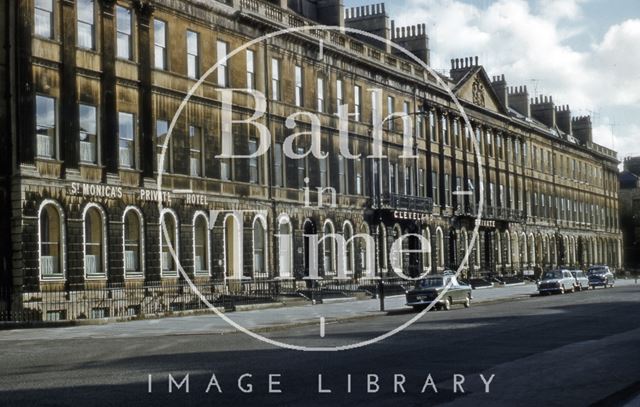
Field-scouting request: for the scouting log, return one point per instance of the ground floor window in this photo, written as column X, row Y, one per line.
column 94, row 241
column 133, row 246
column 259, row 247
column 285, row 252
column 201, row 245
column 51, row 232
column 168, row 242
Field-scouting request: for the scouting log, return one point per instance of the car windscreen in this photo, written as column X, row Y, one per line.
column 552, row 275
column 597, row 271
column 429, row 282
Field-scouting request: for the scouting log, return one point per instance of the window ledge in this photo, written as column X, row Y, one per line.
column 53, row 278
column 49, row 160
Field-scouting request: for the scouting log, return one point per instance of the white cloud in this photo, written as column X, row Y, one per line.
column 529, row 45
column 560, row 9
column 618, row 60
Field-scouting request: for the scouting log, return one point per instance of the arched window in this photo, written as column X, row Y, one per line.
column 426, row 255
column 329, row 249
column 259, row 247
column 233, row 244
column 465, row 248
column 133, row 244
column 440, row 247
column 201, row 244
column 168, row 242
column 382, row 248
column 51, row 239
column 532, row 250
column 349, row 249
column 95, row 246
column 478, row 254
column 397, row 234
column 285, row 247
column 498, row 241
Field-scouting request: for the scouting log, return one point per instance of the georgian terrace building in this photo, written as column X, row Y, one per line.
column 90, row 88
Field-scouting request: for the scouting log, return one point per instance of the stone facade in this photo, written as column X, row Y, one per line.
column 550, row 193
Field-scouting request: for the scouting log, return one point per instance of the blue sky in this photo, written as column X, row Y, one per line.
column 585, row 53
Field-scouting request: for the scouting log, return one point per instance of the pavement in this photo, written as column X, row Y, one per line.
column 259, row 320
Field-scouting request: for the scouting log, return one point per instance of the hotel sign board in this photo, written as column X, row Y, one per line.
column 142, row 194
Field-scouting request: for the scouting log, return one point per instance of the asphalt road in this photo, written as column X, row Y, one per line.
column 565, row 350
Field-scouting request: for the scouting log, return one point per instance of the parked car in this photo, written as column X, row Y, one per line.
column 601, row 276
column 582, row 281
column 559, row 281
column 428, row 289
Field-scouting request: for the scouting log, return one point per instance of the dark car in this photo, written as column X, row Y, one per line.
column 601, row 276
column 427, row 290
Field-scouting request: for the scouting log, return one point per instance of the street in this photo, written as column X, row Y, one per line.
column 573, row 349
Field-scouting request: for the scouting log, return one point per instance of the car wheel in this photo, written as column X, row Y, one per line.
column 467, row 302
column 447, row 304
column 562, row 290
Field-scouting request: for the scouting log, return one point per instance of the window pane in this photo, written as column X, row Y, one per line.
column 192, row 42
column 126, row 150
column 124, row 20
column 45, row 126
column 85, row 35
column 85, row 11
column 45, row 111
column 43, row 19
column 221, row 49
column 250, row 69
column 88, row 139
column 85, row 23
column 124, row 32
column 162, row 127
column 124, row 50
column 159, row 28
column 160, row 40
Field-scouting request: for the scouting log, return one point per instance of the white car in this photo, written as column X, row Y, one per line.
column 559, row 281
column 582, row 281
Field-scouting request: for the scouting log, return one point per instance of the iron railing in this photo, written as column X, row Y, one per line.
column 96, row 300
column 403, row 202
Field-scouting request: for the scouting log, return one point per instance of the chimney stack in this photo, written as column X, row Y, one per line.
column 563, row 118
column 519, row 100
column 543, row 110
column 460, row 67
column 582, row 129
column 372, row 19
column 499, row 85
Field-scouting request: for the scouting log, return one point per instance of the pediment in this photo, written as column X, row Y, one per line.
column 476, row 88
